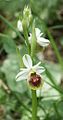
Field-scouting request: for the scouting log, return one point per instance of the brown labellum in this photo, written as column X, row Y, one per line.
column 35, row 80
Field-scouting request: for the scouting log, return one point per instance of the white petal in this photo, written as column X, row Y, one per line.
column 37, row 30
column 27, row 61
column 43, row 42
column 41, row 34
column 22, row 75
column 35, row 66
column 20, row 78
column 40, row 70
column 19, row 26
column 23, row 69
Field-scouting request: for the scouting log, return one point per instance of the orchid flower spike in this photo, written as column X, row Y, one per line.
column 31, row 73
column 40, row 40
column 27, row 17
column 27, row 13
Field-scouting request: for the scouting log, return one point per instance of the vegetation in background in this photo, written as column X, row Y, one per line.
column 15, row 102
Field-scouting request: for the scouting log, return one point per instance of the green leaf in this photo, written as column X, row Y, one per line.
column 11, row 68
column 8, row 43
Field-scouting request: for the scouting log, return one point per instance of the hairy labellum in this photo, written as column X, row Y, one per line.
column 35, row 80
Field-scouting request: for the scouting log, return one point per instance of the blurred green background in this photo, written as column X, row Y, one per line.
column 15, row 98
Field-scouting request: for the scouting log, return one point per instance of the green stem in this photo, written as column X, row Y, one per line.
column 26, row 35
column 34, row 96
column 34, row 105
column 27, row 42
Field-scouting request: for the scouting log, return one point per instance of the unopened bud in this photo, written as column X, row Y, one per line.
column 19, row 25
column 27, row 15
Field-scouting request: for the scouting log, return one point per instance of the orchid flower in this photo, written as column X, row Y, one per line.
column 40, row 40
column 31, row 73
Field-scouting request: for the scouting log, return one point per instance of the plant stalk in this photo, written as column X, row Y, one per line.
column 34, row 105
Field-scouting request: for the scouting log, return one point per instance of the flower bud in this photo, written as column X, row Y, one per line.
column 27, row 15
column 19, row 25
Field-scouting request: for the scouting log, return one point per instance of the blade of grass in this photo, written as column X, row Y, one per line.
column 57, row 27
column 55, row 48
column 53, row 81
column 55, row 87
column 56, row 110
column 10, row 26
column 3, row 35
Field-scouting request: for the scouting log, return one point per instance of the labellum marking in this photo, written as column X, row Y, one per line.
column 35, row 80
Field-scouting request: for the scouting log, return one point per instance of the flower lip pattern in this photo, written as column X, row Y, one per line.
column 40, row 40
column 35, row 80
column 31, row 73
